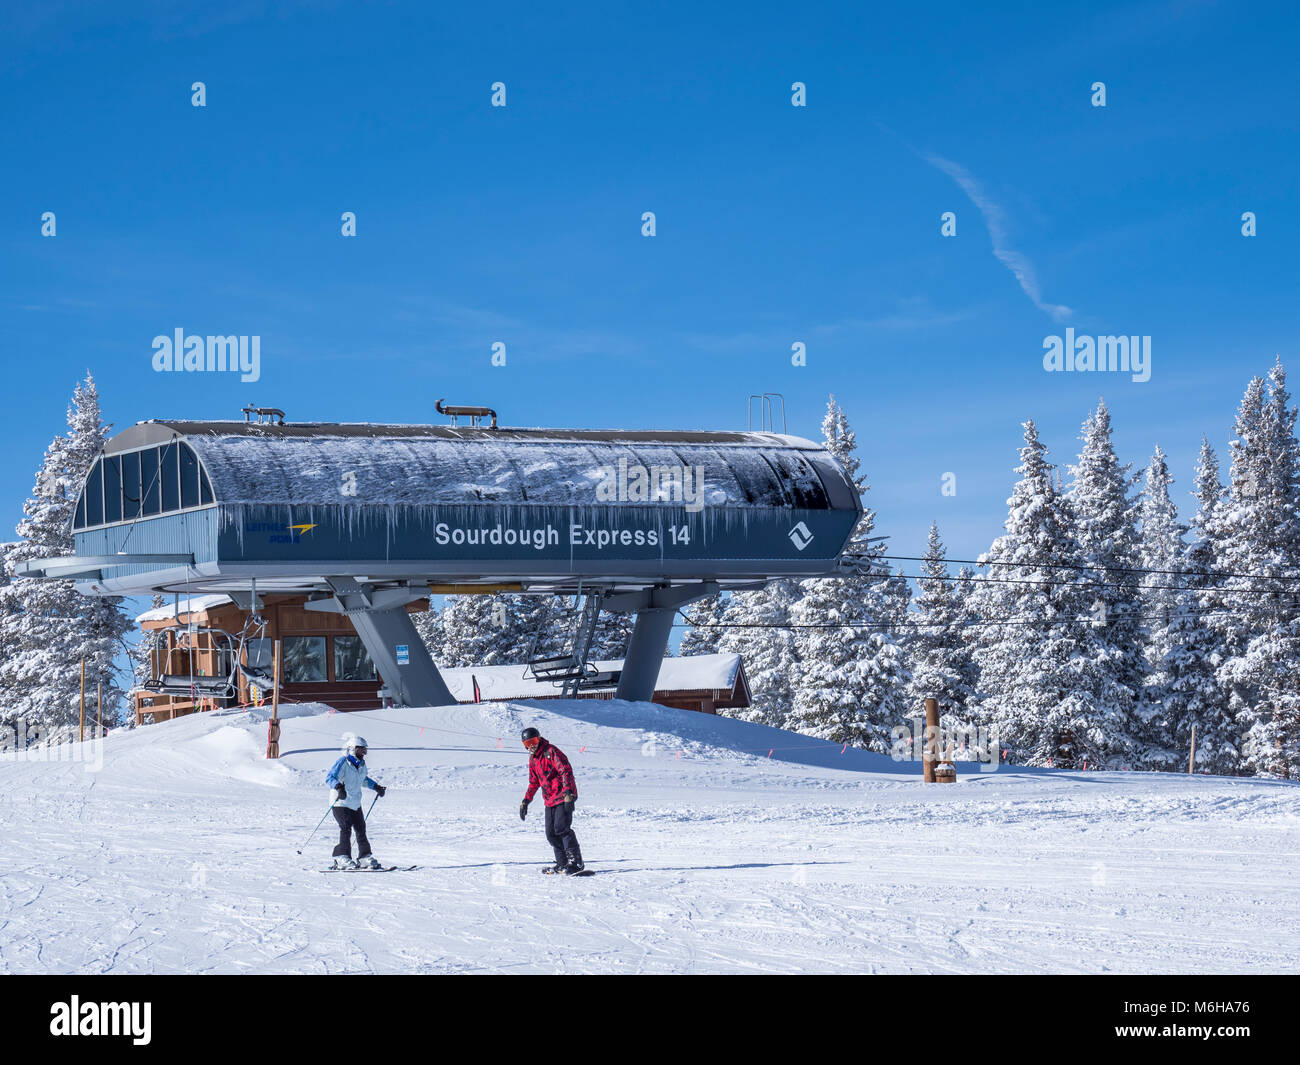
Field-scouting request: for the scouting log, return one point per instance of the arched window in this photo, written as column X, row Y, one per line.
column 143, row 483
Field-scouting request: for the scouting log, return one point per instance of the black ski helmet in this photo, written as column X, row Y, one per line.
column 530, row 734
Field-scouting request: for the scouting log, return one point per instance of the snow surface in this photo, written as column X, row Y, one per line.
column 178, row 854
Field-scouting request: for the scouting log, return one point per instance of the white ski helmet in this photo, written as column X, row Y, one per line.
column 351, row 741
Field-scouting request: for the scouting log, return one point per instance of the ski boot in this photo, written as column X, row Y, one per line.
column 344, row 863
column 369, row 862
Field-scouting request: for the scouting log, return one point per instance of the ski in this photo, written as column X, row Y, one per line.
column 383, row 869
column 548, row 870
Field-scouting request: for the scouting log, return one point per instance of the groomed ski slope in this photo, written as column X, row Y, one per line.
column 178, row 855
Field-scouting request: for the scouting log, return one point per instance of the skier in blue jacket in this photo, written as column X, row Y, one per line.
column 347, row 777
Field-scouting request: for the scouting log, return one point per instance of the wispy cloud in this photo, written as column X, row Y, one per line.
column 995, row 222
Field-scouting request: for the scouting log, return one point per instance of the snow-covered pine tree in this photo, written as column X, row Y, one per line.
column 938, row 653
column 708, row 615
column 46, row 626
column 1239, row 529
column 851, row 680
column 472, row 631
column 1193, row 697
column 758, row 630
column 1039, row 667
column 496, row 630
column 1261, row 545
column 968, row 627
column 426, row 624
column 1105, row 530
column 1163, row 601
column 609, row 641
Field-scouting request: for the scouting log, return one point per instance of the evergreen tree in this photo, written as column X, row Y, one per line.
column 426, row 624
column 705, row 635
column 1193, row 697
column 938, row 650
column 1260, row 525
column 759, row 632
column 1163, row 603
column 1041, row 669
column 1105, row 530
column 850, row 682
column 46, row 626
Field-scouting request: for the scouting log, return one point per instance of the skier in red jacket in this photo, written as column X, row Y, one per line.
column 550, row 771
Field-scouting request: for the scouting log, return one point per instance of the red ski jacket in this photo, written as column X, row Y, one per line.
column 549, row 770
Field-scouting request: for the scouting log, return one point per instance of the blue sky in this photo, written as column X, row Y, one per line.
column 775, row 224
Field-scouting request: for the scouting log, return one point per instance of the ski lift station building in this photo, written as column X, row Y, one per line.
column 363, row 520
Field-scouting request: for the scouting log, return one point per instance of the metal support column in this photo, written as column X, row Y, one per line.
column 379, row 615
column 416, row 682
column 655, row 609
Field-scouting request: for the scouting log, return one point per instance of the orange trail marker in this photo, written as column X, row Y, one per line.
column 583, row 751
column 844, row 748
column 769, row 753
column 679, row 754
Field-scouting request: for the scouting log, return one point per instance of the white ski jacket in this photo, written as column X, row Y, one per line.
column 350, row 771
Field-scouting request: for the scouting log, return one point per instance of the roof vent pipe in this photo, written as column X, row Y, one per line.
column 474, row 414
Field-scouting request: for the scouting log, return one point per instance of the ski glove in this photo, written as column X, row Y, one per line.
column 379, row 790
column 523, row 810
column 569, row 799
column 340, row 792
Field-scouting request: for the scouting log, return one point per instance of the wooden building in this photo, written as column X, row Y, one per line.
column 323, row 657
column 325, row 662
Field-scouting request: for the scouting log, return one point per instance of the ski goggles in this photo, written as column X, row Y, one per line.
column 531, row 743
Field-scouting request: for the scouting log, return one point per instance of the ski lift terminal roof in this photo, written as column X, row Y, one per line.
column 295, row 504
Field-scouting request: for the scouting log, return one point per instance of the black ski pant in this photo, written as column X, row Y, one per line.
column 349, row 821
column 559, row 834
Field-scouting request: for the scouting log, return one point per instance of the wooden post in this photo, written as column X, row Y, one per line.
column 1191, row 758
column 81, row 719
column 273, row 726
column 931, row 740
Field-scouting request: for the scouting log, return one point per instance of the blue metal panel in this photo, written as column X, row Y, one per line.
column 193, row 532
column 502, row 537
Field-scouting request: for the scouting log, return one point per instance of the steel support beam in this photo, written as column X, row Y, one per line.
column 379, row 615
column 655, row 609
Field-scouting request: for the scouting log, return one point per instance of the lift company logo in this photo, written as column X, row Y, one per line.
column 801, row 536
column 103, row 1018
column 280, row 534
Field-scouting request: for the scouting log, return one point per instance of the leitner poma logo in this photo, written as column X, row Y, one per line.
column 103, row 1018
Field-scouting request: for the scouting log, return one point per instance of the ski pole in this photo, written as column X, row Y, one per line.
column 372, row 806
column 316, row 829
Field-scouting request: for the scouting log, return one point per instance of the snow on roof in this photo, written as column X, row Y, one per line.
column 193, row 605
column 427, row 470
column 503, row 683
